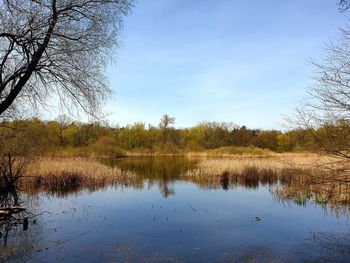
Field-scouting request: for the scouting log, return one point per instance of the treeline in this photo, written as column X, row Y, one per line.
column 66, row 135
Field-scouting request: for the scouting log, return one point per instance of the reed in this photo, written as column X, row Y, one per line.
column 148, row 153
column 322, row 188
column 238, row 165
column 297, row 177
column 68, row 174
column 222, row 152
column 233, row 151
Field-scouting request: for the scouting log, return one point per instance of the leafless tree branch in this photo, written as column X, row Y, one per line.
column 50, row 47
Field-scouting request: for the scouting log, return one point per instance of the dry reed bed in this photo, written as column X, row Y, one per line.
column 202, row 154
column 227, row 155
column 300, row 177
column 276, row 163
column 65, row 174
column 146, row 153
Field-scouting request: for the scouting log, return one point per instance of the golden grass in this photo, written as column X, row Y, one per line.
column 94, row 151
column 64, row 174
column 277, row 162
column 105, row 150
column 233, row 151
column 222, row 152
column 298, row 177
column 148, row 153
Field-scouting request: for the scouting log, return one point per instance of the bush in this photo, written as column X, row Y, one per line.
column 107, row 147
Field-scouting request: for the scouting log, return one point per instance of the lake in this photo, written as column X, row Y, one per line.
column 165, row 217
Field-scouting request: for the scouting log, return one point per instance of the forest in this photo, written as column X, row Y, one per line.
column 65, row 137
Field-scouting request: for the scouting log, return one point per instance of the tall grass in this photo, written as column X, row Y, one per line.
column 276, row 163
column 233, row 151
column 66, row 174
column 102, row 148
column 298, row 177
column 91, row 151
column 229, row 151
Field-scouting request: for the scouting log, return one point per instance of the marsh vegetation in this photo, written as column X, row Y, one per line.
column 298, row 177
column 232, row 205
column 71, row 174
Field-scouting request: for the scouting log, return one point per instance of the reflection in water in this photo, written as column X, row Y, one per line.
column 289, row 185
column 225, row 181
column 299, row 186
column 8, row 197
column 193, row 219
column 13, row 219
column 162, row 171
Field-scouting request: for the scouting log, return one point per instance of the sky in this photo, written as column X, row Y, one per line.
column 245, row 62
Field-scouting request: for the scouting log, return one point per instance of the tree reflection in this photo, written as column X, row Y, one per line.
column 160, row 171
column 20, row 233
column 288, row 185
column 13, row 218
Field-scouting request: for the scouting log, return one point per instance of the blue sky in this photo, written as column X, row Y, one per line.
column 236, row 61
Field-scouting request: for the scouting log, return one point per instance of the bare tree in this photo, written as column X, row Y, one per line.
column 63, row 123
column 165, row 121
column 344, row 5
column 326, row 113
column 16, row 149
column 51, row 48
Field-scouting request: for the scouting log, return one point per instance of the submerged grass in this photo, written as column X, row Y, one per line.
column 68, row 174
column 322, row 188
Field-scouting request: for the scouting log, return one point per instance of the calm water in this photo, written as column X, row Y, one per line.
column 167, row 219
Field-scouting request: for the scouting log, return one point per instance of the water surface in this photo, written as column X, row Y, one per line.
column 166, row 218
